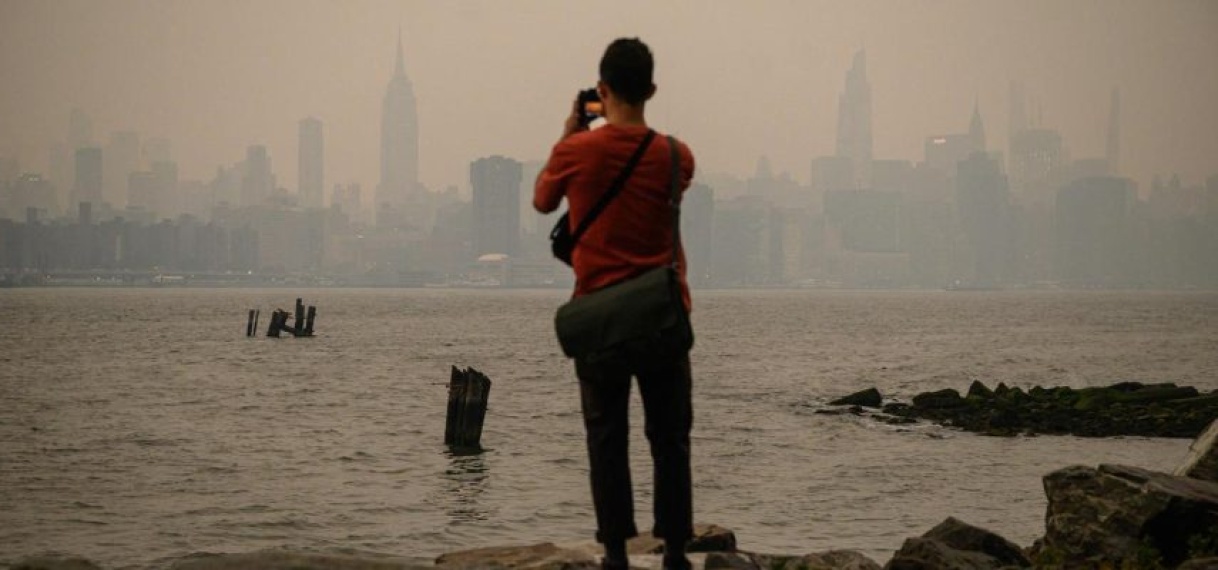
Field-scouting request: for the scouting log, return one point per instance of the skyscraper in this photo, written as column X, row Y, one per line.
column 257, row 182
column 309, row 166
column 80, row 130
column 976, row 129
column 496, row 184
column 399, row 141
column 1113, row 149
column 122, row 158
column 88, row 186
column 854, row 121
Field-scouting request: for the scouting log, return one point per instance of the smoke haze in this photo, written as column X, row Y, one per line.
column 737, row 80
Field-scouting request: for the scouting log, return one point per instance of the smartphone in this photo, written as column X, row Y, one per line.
column 591, row 106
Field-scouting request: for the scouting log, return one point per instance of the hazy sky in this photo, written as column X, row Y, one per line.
column 736, row 79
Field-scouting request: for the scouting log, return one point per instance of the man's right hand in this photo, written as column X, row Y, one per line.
column 573, row 124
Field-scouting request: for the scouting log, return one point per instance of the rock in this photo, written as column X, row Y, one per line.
column 828, row 560
column 869, row 398
column 707, row 538
column 548, row 556
column 1202, row 460
column 544, row 556
column 289, row 560
column 1200, row 564
column 1129, row 408
column 946, row 398
column 730, row 561
column 979, row 391
column 51, row 563
column 1126, row 515
column 956, row 545
column 711, row 538
column 833, row 560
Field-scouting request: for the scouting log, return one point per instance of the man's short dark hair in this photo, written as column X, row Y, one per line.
column 627, row 67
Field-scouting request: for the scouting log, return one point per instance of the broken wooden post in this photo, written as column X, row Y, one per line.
column 279, row 319
column 298, row 324
column 249, row 324
column 312, row 314
column 468, row 392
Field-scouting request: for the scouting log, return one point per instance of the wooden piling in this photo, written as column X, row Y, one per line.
column 468, row 393
column 249, row 324
column 298, row 324
column 279, row 319
column 312, row 314
column 257, row 316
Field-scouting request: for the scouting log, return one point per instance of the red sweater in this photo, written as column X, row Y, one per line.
column 634, row 232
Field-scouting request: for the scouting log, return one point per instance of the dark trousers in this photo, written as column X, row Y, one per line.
column 664, row 382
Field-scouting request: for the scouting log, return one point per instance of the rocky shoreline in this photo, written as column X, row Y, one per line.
column 1107, row 517
column 1124, row 409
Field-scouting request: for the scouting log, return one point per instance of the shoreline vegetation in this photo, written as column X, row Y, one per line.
column 1110, row 517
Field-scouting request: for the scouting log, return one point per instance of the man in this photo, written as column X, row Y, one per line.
column 633, row 234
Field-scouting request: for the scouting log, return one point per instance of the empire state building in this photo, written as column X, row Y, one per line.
column 399, row 145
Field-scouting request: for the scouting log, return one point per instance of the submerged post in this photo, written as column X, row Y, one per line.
column 468, row 392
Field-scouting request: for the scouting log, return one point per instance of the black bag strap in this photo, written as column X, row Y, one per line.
column 674, row 198
column 614, row 190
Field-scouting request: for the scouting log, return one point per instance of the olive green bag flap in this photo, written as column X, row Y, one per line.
column 647, row 307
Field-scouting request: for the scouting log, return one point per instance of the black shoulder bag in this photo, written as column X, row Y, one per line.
column 562, row 241
column 646, row 310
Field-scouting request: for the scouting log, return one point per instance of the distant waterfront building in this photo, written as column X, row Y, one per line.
column 1036, row 154
column 31, row 191
column 983, row 206
column 832, row 173
column 496, row 205
column 944, row 152
column 349, row 200
column 122, row 157
column 257, row 182
column 1112, row 151
column 89, row 182
column 1094, row 230
column 854, row 121
column 698, row 232
column 310, row 164
column 142, row 190
column 399, row 144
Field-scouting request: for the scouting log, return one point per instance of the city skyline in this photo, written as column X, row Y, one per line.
column 494, row 100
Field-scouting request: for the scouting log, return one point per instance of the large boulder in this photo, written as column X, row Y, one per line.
column 956, row 545
column 1126, row 515
column 940, row 399
column 869, row 398
column 1202, row 460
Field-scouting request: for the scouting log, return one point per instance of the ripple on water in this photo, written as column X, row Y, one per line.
column 133, row 444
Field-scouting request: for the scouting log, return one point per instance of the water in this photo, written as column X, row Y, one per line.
column 139, row 426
